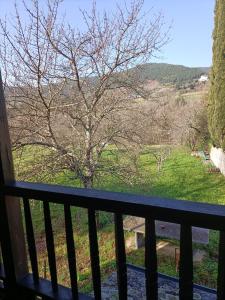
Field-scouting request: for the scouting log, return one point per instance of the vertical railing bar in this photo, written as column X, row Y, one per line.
column 120, row 257
column 71, row 251
column 31, row 239
column 221, row 268
column 151, row 260
column 186, row 263
column 94, row 253
column 50, row 245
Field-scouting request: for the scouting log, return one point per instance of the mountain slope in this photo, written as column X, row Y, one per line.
column 168, row 73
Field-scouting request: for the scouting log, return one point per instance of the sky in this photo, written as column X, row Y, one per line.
column 191, row 24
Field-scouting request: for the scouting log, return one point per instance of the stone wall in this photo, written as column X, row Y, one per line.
column 217, row 156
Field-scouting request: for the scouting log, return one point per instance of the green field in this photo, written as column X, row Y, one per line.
column 199, row 95
column 182, row 177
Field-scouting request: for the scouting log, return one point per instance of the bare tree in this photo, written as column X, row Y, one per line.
column 73, row 90
column 160, row 155
column 175, row 120
column 189, row 125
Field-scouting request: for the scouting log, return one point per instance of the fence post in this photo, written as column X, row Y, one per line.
column 11, row 227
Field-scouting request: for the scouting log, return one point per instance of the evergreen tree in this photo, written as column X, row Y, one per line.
column 216, row 102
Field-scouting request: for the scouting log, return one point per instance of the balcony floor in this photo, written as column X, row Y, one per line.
column 168, row 287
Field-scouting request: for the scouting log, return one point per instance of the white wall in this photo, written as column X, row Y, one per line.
column 218, row 158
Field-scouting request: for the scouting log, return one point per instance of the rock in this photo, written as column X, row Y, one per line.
column 130, row 242
column 198, row 255
column 196, row 296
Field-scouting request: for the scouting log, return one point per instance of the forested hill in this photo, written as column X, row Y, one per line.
column 167, row 73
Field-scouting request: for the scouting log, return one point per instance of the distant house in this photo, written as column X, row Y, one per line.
column 203, row 78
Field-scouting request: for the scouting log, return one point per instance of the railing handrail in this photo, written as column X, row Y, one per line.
column 186, row 213
column 204, row 215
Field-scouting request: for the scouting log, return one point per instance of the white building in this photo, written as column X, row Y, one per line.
column 203, row 78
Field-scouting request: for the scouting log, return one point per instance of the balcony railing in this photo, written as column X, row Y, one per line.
column 185, row 213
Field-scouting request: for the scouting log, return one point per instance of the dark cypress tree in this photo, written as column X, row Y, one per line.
column 216, row 102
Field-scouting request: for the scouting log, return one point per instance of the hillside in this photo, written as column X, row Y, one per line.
column 167, row 73
column 179, row 75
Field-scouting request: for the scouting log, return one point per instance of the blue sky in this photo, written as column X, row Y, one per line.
column 190, row 36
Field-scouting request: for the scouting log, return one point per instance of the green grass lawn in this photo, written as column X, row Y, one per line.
column 182, row 177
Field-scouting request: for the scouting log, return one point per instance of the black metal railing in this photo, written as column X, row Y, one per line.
column 185, row 213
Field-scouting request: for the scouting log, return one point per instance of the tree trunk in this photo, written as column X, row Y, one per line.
column 88, row 182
